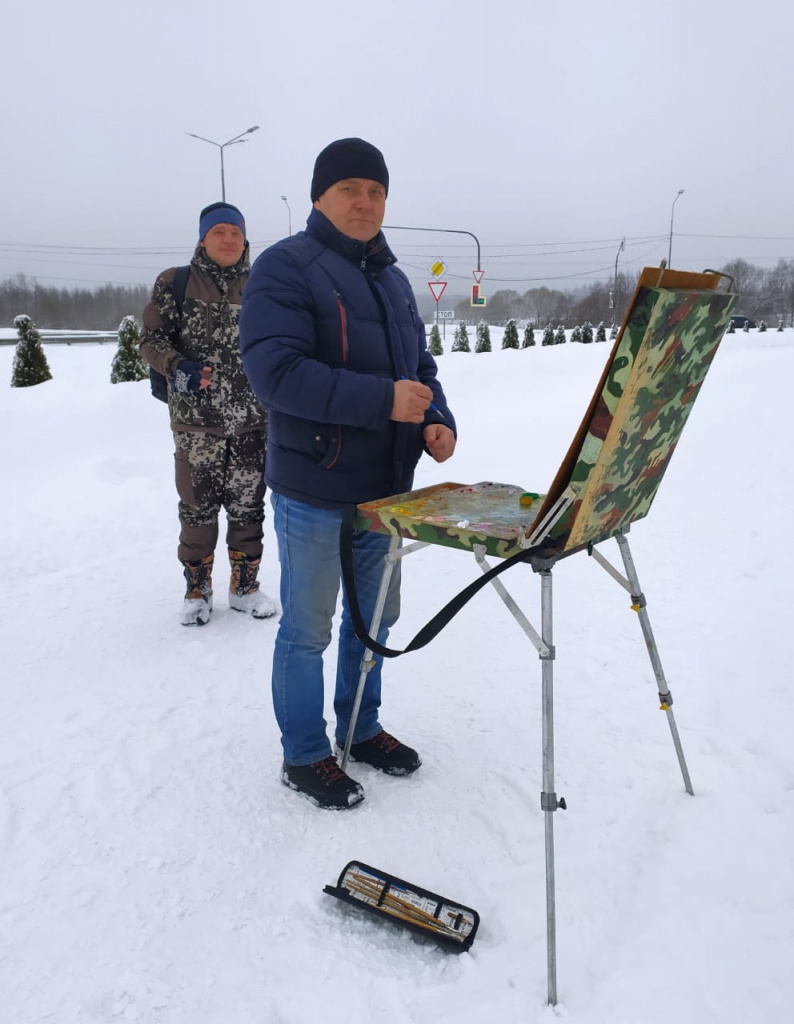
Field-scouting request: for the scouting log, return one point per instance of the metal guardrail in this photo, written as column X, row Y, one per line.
column 69, row 338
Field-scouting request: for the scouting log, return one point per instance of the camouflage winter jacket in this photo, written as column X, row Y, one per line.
column 208, row 335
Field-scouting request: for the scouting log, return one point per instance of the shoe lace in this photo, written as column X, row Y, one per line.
column 329, row 770
column 386, row 741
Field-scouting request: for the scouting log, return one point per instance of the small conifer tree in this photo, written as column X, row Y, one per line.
column 510, row 336
column 461, row 340
column 559, row 335
column 601, row 332
column 731, row 327
column 746, row 327
column 483, row 338
column 548, row 335
column 529, row 337
column 435, row 347
column 762, row 325
column 30, row 365
column 614, row 332
column 587, row 334
column 780, row 325
column 127, row 363
column 576, row 333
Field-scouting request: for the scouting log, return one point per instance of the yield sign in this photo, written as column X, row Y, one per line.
column 478, row 275
column 437, row 288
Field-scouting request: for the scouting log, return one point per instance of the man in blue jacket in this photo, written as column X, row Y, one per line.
column 333, row 346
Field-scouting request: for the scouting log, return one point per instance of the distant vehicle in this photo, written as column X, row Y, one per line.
column 743, row 321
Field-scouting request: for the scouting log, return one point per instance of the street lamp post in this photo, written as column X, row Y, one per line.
column 614, row 301
column 221, row 146
column 679, row 193
column 289, row 214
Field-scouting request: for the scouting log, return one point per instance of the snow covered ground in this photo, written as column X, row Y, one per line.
column 154, row 870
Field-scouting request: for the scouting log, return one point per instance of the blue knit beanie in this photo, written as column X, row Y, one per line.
column 219, row 213
column 348, row 158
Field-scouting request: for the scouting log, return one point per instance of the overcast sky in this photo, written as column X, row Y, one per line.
column 554, row 127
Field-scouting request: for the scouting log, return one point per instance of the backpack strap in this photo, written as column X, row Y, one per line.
column 181, row 275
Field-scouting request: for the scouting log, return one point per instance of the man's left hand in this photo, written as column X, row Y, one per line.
column 440, row 441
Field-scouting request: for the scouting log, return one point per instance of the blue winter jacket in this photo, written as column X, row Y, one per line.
column 328, row 324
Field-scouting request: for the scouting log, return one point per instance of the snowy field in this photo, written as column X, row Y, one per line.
column 154, row 869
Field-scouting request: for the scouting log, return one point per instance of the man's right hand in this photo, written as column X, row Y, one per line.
column 411, row 401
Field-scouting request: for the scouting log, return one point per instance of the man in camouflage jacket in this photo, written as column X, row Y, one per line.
column 219, row 426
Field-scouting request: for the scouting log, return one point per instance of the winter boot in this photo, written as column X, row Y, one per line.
column 197, row 605
column 324, row 783
column 244, row 592
column 385, row 753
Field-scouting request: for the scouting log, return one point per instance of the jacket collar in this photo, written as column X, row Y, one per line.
column 375, row 253
column 220, row 274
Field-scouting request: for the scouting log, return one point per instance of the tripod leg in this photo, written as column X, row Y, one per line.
column 548, row 798
column 666, row 698
column 366, row 661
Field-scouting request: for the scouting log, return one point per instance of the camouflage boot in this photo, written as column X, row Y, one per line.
column 197, row 605
column 244, row 592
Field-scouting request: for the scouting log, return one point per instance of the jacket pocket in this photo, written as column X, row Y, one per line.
column 334, row 449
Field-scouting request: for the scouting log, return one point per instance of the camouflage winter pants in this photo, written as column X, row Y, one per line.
column 220, row 471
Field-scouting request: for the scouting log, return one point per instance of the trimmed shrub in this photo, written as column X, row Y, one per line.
column 127, row 363
column 461, row 340
column 510, row 337
column 30, row 364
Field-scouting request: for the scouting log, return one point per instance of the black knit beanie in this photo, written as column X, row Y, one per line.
column 348, row 158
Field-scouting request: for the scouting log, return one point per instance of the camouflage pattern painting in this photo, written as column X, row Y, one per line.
column 667, row 347
column 619, row 454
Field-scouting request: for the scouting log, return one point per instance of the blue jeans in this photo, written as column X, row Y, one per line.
column 308, row 548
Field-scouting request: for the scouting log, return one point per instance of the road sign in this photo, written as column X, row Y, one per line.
column 478, row 275
column 437, row 288
column 445, row 314
column 437, row 268
column 476, row 298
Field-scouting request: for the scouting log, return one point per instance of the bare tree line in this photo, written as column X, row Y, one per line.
column 763, row 295
column 100, row 309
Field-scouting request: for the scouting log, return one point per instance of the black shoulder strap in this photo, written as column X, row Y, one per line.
column 439, row 620
column 180, row 287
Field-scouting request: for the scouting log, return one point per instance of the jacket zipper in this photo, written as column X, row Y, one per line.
column 343, row 323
